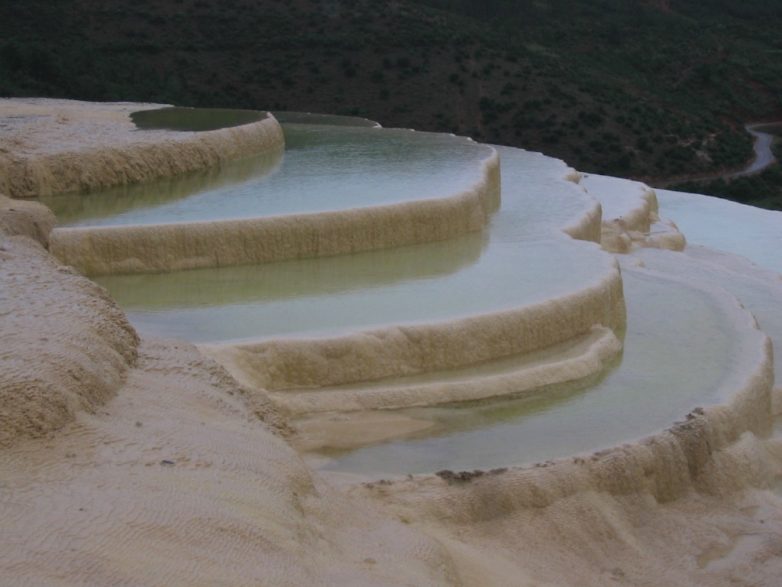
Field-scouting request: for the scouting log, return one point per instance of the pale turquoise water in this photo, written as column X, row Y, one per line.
column 76, row 208
column 762, row 297
column 536, row 202
column 720, row 224
column 324, row 168
column 509, row 265
column 750, row 232
column 330, row 296
column 678, row 351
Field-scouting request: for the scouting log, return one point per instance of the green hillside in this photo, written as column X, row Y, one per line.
column 648, row 89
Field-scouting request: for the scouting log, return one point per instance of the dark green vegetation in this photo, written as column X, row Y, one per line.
column 763, row 189
column 649, row 89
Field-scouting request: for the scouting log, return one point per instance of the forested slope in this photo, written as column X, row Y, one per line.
column 650, row 89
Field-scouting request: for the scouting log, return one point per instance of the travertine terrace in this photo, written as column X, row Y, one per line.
column 130, row 456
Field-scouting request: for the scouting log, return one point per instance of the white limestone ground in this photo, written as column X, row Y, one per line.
column 56, row 146
column 183, row 478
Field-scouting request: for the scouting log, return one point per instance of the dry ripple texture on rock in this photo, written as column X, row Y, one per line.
column 66, row 345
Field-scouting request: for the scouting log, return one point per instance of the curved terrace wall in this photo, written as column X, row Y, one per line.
column 574, row 363
column 169, row 247
column 138, row 159
column 666, row 466
column 588, row 226
column 401, row 350
column 631, row 215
